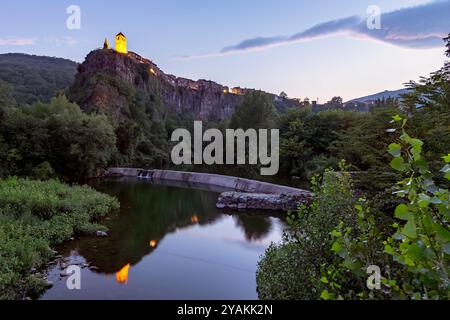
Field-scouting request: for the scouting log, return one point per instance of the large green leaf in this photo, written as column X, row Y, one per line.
column 397, row 118
column 402, row 212
column 395, row 149
column 398, row 164
column 416, row 143
column 410, row 229
column 442, row 234
column 447, row 158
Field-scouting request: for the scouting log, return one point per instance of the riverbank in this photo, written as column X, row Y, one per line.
column 159, row 230
column 35, row 217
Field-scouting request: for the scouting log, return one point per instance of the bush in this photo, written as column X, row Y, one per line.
column 410, row 246
column 36, row 215
column 413, row 253
column 290, row 270
column 55, row 137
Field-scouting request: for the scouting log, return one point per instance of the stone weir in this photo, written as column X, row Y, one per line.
column 241, row 193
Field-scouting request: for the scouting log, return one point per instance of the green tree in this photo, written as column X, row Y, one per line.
column 257, row 111
column 73, row 143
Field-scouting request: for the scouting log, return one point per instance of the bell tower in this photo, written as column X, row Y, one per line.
column 121, row 43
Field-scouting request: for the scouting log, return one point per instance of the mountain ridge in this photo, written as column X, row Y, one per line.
column 380, row 95
column 36, row 78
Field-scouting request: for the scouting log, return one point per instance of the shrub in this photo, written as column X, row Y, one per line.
column 290, row 270
column 332, row 243
column 36, row 215
column 414, row 252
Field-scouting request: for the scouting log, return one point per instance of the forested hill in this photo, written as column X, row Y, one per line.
column 382, row 95
column 36, row 78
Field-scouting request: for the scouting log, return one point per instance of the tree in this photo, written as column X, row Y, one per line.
column 257, row 111
column 336, row 102
column 6, row 97
column 73, row 143
column 283, row 95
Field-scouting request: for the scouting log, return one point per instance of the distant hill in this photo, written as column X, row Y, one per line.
column 36, row 78
column 385, row 94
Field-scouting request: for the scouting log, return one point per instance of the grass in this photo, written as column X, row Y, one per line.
column 35, row 216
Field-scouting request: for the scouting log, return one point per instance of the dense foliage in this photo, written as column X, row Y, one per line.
column 330, row 244
column 401, row 233
column 257, row 111
column 412, row 253
column 35, row 78
column 288, row 270
column 56, row 137
column 36, row 216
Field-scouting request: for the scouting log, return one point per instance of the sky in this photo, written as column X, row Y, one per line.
column 307, row 48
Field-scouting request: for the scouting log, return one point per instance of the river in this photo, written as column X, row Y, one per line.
column 167, row 242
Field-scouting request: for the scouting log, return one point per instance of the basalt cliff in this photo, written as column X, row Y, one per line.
column 115, row 84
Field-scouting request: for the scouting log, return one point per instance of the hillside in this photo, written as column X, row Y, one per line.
column 378, row 96
column 36, row 78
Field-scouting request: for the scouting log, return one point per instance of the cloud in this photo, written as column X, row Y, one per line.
column 58, row 41
column 417, row 27
column 17, row 41
column 63, row 41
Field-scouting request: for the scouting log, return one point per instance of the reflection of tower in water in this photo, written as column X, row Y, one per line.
column 122, row 275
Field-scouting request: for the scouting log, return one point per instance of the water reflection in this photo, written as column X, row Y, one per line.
column 146, row 213
column 122, row 275
column 254, row 227
column 171, row 241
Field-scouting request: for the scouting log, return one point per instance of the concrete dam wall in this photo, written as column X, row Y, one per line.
column 241, row 193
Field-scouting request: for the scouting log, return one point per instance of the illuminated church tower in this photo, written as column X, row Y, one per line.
column 121, row 43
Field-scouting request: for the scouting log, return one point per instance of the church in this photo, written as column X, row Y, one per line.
column 121, row 43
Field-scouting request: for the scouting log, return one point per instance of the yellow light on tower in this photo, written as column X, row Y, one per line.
column 121, row 43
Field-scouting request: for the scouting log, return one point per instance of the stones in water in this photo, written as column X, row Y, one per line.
column 101, row 234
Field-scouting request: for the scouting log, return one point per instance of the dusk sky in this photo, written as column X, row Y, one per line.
column 315, row 49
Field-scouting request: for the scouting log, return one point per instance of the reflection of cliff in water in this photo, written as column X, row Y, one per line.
column 254, row 227
column 148, row 213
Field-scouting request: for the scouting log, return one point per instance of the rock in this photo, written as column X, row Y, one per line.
column 93, row 268
column 48, row 284
column 101, row 234
column 206, row 100
column 220, row 205
column 261, row 201
column 63, row 274
column 242, row 206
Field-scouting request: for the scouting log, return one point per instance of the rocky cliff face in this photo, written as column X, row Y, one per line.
column 106, row 81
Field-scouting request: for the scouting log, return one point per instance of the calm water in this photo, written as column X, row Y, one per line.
column 168, row 243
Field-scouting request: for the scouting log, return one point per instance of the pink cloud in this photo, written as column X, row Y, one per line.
column 17, row 41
